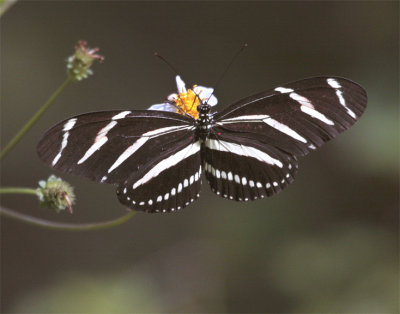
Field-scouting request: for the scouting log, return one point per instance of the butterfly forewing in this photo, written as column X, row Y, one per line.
column 296, row 117
column 109, row 146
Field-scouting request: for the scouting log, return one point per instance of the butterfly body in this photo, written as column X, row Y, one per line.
column 205, row 121
column 247, row 151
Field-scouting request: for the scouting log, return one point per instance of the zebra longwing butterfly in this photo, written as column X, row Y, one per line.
column 247, row 151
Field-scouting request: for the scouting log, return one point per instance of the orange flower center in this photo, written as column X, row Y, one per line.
column 187, row 103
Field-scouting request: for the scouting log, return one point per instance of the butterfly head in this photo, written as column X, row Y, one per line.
column 203, row 110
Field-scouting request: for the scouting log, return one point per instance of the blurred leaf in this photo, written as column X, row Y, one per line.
column 78, row 293
column 345, row 269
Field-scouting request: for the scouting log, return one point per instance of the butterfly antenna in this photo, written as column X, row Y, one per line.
column 156, row 54
column 194, row 101
column 245, row 45
column 181, row 110
column 230, row 64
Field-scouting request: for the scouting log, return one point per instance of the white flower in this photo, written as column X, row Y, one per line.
column 186, row 101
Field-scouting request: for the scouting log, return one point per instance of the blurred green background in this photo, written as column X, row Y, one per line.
column 328, row 243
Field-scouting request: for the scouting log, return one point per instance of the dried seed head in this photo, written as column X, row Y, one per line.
column 56, row 193
column 78, row 65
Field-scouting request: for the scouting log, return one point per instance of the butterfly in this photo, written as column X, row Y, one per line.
column 247, row 151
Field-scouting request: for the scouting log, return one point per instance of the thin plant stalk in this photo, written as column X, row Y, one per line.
column 78, row 68
column 5, row 5
column 56, row 225
column 65, row 226
column 35, row 118
column 17, row 190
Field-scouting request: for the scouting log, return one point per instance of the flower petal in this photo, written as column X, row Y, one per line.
column 202, row 91
column 180, row 85
column 206, row 94
column 163, row 107
column 212, row 101
column 172, row 97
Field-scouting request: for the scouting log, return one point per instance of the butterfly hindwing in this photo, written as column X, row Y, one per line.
column 168, row 183
column 246, row 170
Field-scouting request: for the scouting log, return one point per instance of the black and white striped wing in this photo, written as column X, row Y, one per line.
column 246, row 170
column 119, row 147
column 259, row 137
column 167, row 183
column 296, row 117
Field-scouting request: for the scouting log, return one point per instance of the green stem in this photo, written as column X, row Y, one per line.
column 12, row 190
column 34, row 119
column 5, row 5
column 56, row 225
column 65, row 226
